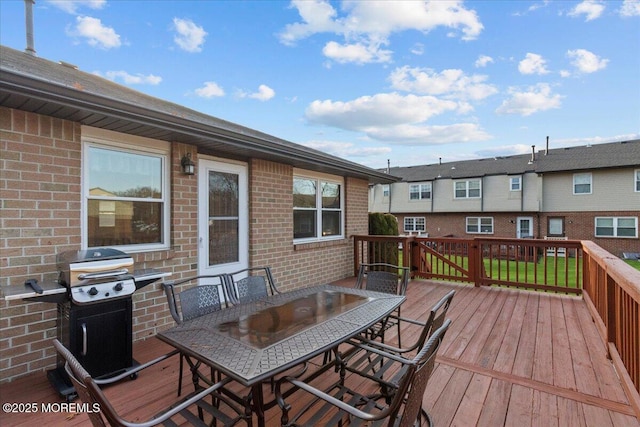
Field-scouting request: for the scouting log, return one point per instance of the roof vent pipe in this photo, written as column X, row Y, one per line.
column 533, row 153
column 547, row 150
column 28, row 11
column 388, row 166
column 439, row 160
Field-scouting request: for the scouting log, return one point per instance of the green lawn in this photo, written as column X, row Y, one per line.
column 633, row 263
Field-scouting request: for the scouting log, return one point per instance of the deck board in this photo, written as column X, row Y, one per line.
column 510, row 358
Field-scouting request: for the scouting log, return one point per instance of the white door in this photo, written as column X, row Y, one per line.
column 223, row 211
column 524, row 229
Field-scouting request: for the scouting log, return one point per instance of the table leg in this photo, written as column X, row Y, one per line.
column 257, row 403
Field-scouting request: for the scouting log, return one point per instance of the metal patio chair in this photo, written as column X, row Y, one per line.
column 387, row 278
column 343, row 403
column 205, row 295
column 191, row 408
column 370, row 358
column 250, row 284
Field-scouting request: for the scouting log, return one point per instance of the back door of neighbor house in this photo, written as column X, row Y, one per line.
column 223, row 211
column 524, row 229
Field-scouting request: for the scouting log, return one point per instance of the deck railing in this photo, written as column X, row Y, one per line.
column 610, row 287
column 612, row 292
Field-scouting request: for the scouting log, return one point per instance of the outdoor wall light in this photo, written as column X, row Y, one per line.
column 188, row 167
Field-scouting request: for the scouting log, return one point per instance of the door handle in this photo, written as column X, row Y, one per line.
column 84, row 339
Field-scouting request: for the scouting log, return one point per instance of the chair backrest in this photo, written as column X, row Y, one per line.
column 407, row 402
column 251, row 284
column 208, row 294
column 436, row 318
column 78, row 376
column 382, row 277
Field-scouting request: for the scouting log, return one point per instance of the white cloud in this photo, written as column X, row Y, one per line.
column 367, row 25
column 264, row 93
column 95, row 33
column 533, row 64
column 533, row 100
column 417, row 49
column 585, row 61
column 356, row 53
column 630, row 8
column 592, row 9
column 565, row 73
column 72, row 6
column 451, row 83
column 415, row 135
column 483, row 61
column 346, row 149
column 209, row 90
column 395, row 119
column 131, row 79
column 190, row 37
column 385, row 109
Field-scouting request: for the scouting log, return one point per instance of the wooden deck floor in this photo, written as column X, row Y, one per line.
column 511, row 358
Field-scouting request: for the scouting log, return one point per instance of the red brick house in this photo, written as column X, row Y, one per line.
column 89, row 163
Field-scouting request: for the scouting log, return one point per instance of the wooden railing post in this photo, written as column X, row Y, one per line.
column 474, row 259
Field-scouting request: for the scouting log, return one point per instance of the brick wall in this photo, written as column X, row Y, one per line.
column 40, row 179
column 578, row 226
column 40, row 184
column 271, row 230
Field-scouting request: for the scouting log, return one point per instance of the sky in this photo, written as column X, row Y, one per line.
column 375, row 82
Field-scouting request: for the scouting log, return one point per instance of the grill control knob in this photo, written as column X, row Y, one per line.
column 118, row 287
column 93, row 291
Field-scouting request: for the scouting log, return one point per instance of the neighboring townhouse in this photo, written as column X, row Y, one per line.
column 89, row 163
column 582, row 193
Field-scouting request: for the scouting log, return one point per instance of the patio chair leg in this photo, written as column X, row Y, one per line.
column 180, row 374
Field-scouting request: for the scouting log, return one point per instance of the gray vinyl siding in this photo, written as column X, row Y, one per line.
column 609, row 187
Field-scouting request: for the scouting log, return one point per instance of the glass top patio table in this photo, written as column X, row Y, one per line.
column 255, row 341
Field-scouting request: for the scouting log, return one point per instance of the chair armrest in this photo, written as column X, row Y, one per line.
column 135, row 369
column 191, row 400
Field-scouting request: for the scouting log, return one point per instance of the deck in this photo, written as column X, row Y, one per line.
column 513, row 358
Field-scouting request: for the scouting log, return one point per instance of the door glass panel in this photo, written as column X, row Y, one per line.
column 223, row 218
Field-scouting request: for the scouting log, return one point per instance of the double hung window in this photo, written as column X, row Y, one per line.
column 317, row 208
column 616, row 227
column 582, row 183
column 515, row 183
column 480, row 225
column 467, row 189
column 415, row 224
column 125, row 197
column 420, row 191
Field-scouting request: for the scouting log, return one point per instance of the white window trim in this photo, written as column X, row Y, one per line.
column 413, row 218
column 590, row 183
column 615, row 227
column 479, row 219
column 420, row 184
column 133, row 144
column 297, row 173
column 386, row 190
column 517, row 179
column 467, row 181
column 636, row 180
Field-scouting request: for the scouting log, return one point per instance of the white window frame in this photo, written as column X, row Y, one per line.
column 467, row 190
column 92, row 137
column 320, row 178
column 636, row 182
column 422, row 187
column 515, row 183
column 478, row 223
column 415, row 220
column 615, row 226
column 577, row 176
column 385, row 190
